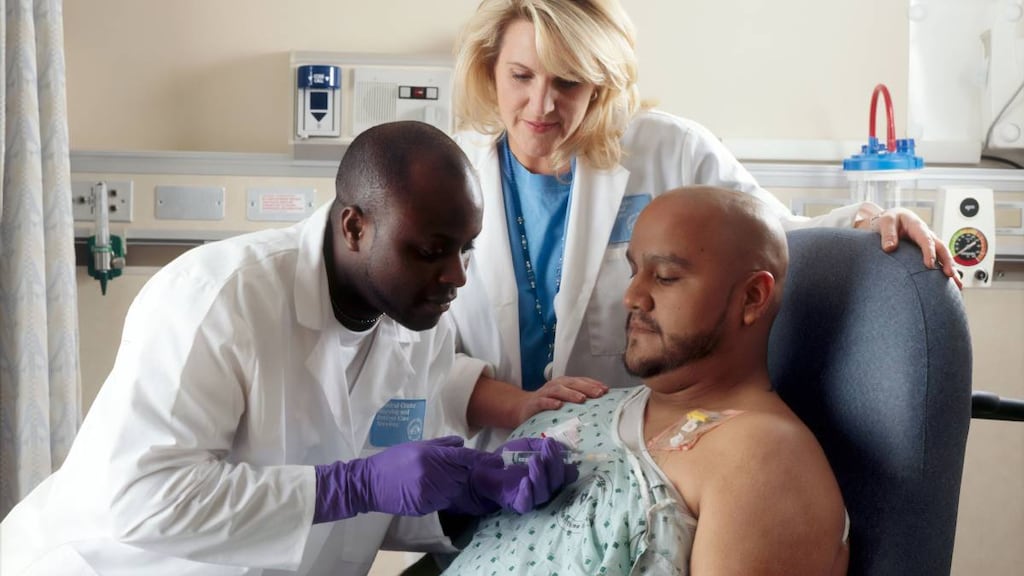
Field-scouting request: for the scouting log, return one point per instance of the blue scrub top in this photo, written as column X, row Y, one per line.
column 544, row 201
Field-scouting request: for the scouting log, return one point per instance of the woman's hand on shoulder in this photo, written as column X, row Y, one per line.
column 554, row 393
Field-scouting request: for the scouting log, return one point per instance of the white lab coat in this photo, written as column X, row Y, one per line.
column 660, row 152
column 229, row 384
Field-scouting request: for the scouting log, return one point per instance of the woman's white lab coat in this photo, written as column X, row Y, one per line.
column 660, row 152
column 229, row 384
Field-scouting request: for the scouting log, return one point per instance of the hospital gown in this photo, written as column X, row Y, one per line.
column 621, row 517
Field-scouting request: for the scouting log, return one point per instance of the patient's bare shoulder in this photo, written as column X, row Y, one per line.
column 760, row 484
column 775, row 443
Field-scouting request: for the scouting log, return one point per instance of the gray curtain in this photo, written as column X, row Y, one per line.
column 39, row 375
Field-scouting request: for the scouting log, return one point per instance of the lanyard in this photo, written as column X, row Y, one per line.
column 512, row 197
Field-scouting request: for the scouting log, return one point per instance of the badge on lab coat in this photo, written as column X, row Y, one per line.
column 629, row 210
column 400, row 420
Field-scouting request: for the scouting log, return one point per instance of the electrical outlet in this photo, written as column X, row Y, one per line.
column 119, row 200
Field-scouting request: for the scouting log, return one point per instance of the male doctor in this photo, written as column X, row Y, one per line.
column 248, row 366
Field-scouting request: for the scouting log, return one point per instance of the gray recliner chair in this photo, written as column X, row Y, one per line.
column 872, row 351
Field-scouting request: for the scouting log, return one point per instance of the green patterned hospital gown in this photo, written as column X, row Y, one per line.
column 621, row 516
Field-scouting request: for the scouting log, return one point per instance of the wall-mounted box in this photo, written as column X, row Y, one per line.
column 318, row 102
column 401, row 93
column 373, row 89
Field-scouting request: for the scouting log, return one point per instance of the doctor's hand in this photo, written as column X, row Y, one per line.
column 493, row 486
column 554, row 393
column 895, row 223
column 410, row 479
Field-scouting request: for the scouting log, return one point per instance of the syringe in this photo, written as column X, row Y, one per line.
column 521, row 457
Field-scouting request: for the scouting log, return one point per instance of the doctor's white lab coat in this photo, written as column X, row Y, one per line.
column 230, row 383
column 660, row 152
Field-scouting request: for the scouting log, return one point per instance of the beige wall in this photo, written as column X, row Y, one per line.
column 196, row 75
column 201, row 75
column 991, row 522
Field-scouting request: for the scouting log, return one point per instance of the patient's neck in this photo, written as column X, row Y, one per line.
column 720, row 386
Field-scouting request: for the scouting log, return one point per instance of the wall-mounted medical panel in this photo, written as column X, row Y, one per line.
column 389, row 94
column 318, row 101
column 363, row 90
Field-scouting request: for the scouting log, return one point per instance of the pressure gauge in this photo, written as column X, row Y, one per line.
column 964, row 217
column 969, row 246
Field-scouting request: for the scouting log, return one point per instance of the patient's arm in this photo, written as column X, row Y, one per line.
column 765, row 497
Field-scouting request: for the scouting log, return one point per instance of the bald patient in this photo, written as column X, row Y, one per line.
column 703, row 469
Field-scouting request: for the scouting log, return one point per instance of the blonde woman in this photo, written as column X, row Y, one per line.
column 567, row 158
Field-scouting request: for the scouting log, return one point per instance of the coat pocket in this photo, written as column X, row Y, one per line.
column 606, row 315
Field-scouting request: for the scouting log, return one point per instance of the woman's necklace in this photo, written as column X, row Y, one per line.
column 531, row 277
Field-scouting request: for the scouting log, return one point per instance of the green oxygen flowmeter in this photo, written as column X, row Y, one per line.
column 106, row 252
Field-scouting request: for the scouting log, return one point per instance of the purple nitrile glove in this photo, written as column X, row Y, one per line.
column 519, row 488
column 410, row 479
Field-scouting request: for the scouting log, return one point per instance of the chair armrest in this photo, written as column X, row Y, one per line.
column 989, row 406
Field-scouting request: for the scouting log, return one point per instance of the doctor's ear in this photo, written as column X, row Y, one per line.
column 353, row 225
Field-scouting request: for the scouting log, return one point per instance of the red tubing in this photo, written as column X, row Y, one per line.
column 890, row 140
